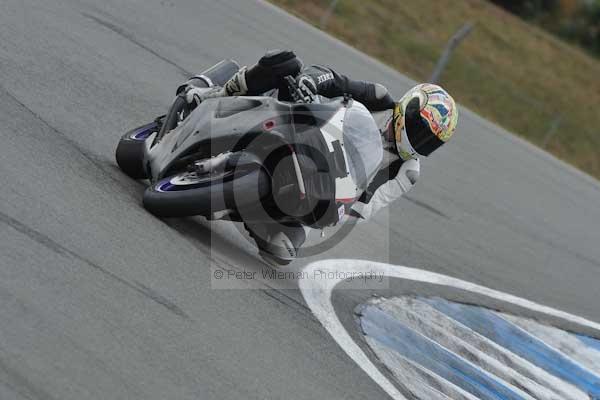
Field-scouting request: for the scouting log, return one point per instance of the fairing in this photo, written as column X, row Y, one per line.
column 216, row 125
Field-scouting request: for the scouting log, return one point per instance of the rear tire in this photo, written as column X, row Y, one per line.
column 130, row 150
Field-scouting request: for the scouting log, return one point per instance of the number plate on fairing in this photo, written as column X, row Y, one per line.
column 333, row 131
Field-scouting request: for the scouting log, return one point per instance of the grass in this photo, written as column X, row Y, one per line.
column 508, row 71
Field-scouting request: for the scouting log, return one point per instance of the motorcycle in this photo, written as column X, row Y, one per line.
column 253, row 158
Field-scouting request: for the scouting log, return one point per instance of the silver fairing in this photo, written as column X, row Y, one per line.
column 217, row 124
column 357, row 131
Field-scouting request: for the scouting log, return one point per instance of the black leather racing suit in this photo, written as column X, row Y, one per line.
column 331, row 84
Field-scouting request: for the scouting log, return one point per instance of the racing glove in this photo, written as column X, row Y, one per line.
column 391, row 190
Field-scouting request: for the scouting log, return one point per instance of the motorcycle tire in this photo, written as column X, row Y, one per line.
column 187, row 194
column 130, row 150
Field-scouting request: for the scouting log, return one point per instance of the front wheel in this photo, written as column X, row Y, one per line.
column 190, row 193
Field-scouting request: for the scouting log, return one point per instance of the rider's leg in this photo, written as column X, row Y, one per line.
column 217, row 75
column 267, row 74
column 270, row 70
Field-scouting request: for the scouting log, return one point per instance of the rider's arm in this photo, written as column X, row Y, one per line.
column 389, row 184
column 331, row 84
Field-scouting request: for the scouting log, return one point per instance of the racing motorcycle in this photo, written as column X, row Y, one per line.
column 251, row 158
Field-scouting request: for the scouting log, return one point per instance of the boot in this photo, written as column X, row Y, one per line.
column 235, row 86
column 277, row 244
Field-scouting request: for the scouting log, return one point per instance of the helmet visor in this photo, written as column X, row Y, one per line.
column 420, row 136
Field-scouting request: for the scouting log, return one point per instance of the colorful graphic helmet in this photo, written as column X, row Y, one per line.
column 423, row 120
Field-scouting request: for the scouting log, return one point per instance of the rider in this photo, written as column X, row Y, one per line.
column 421, row 121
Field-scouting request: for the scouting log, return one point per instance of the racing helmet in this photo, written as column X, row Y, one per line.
column 424, row 119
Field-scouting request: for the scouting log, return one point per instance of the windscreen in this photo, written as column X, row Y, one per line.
column 362, row 143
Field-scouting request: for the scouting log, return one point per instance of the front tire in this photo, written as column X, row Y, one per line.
column 188, row 193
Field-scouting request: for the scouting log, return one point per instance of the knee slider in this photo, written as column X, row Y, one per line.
column 380, row 91
column 281, row 62
column 271, row 69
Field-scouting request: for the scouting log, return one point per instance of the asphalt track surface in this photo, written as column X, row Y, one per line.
column 100, row 300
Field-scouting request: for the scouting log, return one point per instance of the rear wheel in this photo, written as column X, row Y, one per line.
column 130, row 150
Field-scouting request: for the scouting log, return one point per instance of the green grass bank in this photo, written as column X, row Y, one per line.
column 510, row 72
